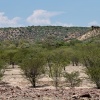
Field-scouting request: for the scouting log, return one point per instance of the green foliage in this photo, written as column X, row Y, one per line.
column 75, row 57
column 72, row 79
column 2, row 65
column 33, row 65
column 9, row 55
column 91, row 59
column 21, row 54
column 94, row 75
column 57, row 60
column 1, row 68
column 73, row 42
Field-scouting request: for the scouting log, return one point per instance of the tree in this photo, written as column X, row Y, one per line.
column 33, row 65
column 21, row 54
column 58, row 62
column 75, row 57
column 91, row 59
column 2, row 64
column 9, row 56
column 49, row 57
column 51, row 42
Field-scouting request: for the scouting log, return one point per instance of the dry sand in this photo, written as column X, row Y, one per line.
column 15, row 77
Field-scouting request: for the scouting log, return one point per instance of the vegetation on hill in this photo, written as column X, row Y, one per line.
column 39, row 33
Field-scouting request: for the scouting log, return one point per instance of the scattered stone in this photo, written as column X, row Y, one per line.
column 85, row 95
column 18, row 87
column 75, row 97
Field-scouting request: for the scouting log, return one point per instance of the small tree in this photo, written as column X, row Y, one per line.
column 9, row 56
column 58, row 62
column 72, row 78
column 74, row 56
column 56, row 74
column 33, row 66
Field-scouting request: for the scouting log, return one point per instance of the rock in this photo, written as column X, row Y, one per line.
column 85, row 95
column 18, row 87
column 38, row 95
column 75, row 97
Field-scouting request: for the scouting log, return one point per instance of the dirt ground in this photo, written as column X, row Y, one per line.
column 14, row 77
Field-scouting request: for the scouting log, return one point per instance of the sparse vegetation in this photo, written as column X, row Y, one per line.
column 40, row 33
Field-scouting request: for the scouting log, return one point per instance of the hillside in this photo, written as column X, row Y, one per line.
column 38, row 33
column 94, row 33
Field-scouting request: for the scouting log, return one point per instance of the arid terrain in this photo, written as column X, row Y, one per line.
column 14, row 86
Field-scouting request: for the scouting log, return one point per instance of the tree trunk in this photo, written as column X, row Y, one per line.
column 64, row 68
column 56, row 83
column 98, row 85
column 76, row 63
column 34, row 82
column 50, row 71
column 56, row 80
column 12, row 64
column 73, row 63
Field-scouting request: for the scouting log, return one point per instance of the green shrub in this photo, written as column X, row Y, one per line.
column 72, row 79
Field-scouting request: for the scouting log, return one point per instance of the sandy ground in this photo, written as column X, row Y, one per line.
column 15, row 77
column 86, row 83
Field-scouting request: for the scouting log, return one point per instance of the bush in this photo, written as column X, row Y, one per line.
column 72, row 79
column 57, row 60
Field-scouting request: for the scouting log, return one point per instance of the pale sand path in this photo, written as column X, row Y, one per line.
column 15, row 77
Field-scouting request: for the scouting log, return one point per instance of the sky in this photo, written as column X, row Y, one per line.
column 17, row 13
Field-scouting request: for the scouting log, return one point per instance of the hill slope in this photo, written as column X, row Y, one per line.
column 41, row 32
column 90, row 34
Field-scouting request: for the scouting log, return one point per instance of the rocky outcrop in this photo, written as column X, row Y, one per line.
column 95, row 31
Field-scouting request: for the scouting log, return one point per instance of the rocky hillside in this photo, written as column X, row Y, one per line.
column 95, row 32
column 38, row 33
